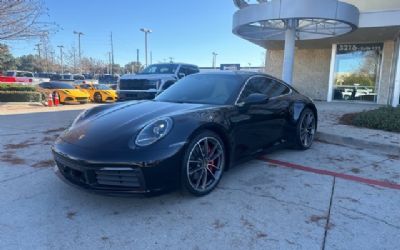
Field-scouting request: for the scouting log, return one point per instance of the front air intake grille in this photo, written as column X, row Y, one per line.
column 136, row 84
column 118, row 178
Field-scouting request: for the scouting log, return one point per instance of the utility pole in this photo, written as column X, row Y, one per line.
column 61, row 58
column 38, row 49
column 112, row 55
column 214, row 62
column 109, row 63
column 79, row 49
column 146, row 32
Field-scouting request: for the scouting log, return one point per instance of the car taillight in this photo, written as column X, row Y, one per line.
column 83, row 82
column 30, row 80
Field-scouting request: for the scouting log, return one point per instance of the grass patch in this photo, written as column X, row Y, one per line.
column 385, row 118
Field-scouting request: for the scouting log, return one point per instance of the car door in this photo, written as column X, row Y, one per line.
column 259, row 125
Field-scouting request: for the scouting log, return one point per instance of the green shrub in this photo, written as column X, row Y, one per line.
column 16, row 87
column 20, row 96
column 385, row 118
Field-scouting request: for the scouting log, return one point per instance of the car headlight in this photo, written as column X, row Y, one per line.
column 153, row 132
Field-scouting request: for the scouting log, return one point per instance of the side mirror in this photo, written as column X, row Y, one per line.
column 256, row 98
column 181, row 75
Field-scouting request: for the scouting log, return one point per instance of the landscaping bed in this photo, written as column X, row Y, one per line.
column 385, row 118
column 20, row 93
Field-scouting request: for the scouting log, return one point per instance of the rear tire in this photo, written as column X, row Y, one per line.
column 203, row 164
column 305, row 130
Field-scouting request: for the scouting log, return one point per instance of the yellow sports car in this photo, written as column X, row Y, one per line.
column 66, row 92
column 99, row 92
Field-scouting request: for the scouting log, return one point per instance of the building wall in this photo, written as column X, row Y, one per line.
column 312, row 66
column 311, row 70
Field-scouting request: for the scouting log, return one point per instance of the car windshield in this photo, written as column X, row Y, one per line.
column 204, row 88
column 160, row 69
column 60, row 85
column 101, row 87
column 10, row 73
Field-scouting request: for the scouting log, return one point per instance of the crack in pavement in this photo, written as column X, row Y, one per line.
column 270, row 197
column 368, row 216
column 327, row 225
column 22, row 175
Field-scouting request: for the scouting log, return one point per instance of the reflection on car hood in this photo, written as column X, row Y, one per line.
column 113, row 127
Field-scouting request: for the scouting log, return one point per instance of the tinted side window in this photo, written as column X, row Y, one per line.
column 277, row 89
column 255, row 85
column 183, row 70
column 193, row 70
column 266, row 86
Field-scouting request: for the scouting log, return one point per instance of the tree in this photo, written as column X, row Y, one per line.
column 7, row 61
column 29, row 63
column 133, row 67
column 19, row 19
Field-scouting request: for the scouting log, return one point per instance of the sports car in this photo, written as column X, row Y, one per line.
column 186, row 137
column 99, row 92
column 65, row 92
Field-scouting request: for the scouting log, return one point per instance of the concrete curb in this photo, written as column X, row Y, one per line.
column 22, row 103
column 358, row 143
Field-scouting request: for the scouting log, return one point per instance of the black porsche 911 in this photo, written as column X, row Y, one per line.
column 187, row 136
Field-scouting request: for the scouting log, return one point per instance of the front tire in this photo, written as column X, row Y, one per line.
column 97, row 98
column 204, row 163
column 305, row 129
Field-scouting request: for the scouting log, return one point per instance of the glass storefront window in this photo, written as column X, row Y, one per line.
column 357, row 68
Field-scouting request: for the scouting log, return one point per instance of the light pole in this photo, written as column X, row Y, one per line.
column 146, row 32
column 214, row 62
column 61, row 58
column 79, row 49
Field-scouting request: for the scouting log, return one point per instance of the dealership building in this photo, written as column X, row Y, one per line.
column 330, row 50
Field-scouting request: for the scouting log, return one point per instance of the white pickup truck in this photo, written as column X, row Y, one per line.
column 23, row 76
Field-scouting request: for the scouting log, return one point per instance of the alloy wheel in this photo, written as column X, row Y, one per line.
column 205, row 164
column 307, row 129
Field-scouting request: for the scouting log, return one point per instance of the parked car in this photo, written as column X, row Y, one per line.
column 152, row 80
column 22, row 76
column 187, row 136
column 108, row 79
column 43, row 77
column 66, row 92
column 99, row 92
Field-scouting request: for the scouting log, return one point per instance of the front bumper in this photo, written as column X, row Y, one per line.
column 112, row 181
column 134, row 178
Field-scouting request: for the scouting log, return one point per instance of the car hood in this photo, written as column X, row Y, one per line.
column 150, row 76
column 114, row 127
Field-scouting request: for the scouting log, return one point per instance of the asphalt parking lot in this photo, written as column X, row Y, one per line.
column 329, row 197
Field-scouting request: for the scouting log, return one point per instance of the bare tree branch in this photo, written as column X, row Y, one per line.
column 20, row 19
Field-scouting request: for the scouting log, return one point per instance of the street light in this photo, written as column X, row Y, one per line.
column 79, row 48
column 61, row 58
column 214, row 59
column 146, row 32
